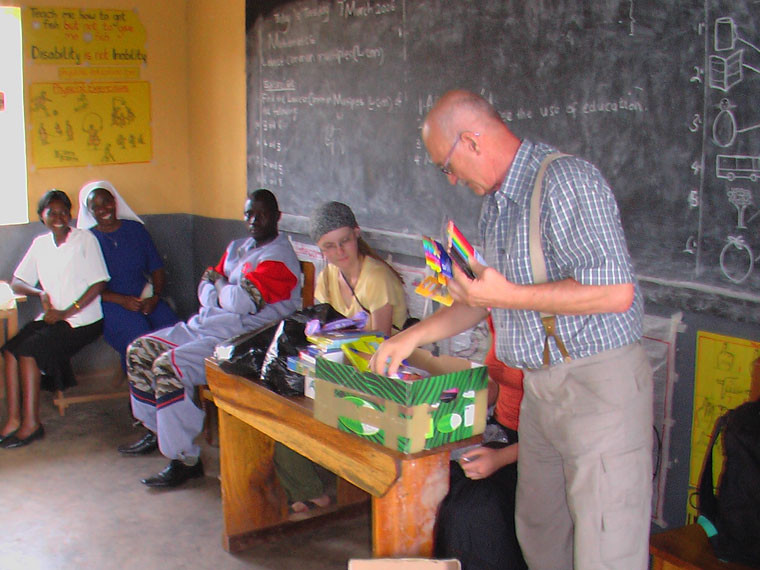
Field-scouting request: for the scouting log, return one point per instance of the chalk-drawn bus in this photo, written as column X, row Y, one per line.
column 736, row 166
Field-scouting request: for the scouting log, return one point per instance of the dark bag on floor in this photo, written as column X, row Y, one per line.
column 732, row 518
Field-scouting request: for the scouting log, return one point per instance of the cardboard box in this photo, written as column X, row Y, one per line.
column 308, row 386
column 405, row 415
column 404, row 564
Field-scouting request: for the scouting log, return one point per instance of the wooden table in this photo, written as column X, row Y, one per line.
column 405, row 489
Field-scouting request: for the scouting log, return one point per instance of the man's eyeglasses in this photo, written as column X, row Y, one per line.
column 445, row 166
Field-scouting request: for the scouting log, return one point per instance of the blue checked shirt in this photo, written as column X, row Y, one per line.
column 582, row 238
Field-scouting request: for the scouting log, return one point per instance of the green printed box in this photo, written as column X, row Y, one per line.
column 406, row 415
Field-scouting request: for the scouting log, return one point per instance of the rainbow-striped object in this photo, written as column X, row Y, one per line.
column 458, row 241
column 432, row 254
column 436, row 258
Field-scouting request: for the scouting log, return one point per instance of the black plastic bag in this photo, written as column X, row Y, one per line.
column 244, row 354
column 289, row 339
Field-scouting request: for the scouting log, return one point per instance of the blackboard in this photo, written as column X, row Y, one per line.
column 659, row 94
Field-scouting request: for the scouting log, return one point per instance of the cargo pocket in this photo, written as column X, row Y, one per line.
column 625, row 495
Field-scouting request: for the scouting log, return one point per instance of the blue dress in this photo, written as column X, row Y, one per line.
column 131, row 257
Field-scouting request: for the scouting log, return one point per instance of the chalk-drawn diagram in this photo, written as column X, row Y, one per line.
column 333, row 140
column 734, row 68
column 726, row 71
column 736, row 258
column 732, row 167
column 724, row 126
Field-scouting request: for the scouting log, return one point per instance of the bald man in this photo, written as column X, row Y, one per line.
column 585, row 468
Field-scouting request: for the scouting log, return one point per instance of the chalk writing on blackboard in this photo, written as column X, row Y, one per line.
column 338, row 91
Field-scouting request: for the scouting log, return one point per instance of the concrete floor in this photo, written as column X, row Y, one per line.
column 70, row 501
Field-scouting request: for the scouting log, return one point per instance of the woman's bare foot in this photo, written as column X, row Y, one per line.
column 9, row 429
column 309, row 504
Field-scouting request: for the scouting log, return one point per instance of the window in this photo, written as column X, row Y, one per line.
column 13, row 191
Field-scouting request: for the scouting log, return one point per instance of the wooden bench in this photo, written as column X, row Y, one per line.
column 99, row 375
column 108, row 379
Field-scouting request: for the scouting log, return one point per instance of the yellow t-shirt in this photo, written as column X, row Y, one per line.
column 377, row 287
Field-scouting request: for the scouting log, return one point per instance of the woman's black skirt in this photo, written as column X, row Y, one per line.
column 52, row 347
column 476, row 520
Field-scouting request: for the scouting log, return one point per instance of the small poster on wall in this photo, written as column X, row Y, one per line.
column 80, row 36
column 76, row 124
column 723, row 377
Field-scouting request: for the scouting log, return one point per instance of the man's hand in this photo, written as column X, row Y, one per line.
column 389, row 355
column 481, row 291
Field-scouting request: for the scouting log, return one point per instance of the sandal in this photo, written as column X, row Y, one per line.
column 310, row 505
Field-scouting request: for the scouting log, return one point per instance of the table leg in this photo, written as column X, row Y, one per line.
column 251, row 496
column 403, row 519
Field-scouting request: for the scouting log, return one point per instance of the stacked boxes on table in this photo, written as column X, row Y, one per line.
column 327, row 345
column 406, row 415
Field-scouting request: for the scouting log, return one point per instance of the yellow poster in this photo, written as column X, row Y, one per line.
column 722, row 382
column 81, row 36
column 76, row 124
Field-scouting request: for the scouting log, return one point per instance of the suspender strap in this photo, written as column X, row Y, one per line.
column 537, row 261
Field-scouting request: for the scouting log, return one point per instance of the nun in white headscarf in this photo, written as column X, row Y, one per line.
column 132, row 304
column 86, row 219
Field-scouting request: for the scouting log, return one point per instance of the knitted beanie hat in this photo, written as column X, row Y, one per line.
column 331, row 216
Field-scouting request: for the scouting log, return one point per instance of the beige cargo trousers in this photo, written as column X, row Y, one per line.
column 585, row 463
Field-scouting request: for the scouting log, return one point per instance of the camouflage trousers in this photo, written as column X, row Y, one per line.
column 162, row 378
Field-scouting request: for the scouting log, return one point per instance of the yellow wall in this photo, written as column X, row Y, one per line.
column 217, row 104
column 196, row 70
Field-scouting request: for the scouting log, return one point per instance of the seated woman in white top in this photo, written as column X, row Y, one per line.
column 66, row 270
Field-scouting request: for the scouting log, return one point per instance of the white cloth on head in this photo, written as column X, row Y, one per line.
column 86, row 220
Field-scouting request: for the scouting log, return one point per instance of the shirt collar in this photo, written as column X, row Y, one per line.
column 511, row 189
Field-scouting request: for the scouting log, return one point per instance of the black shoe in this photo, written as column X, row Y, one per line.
column 175, row 474
column 146, row 445
column 10, row 435
column 12, row 441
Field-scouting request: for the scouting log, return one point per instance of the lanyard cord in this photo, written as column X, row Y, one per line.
column 353, row 293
